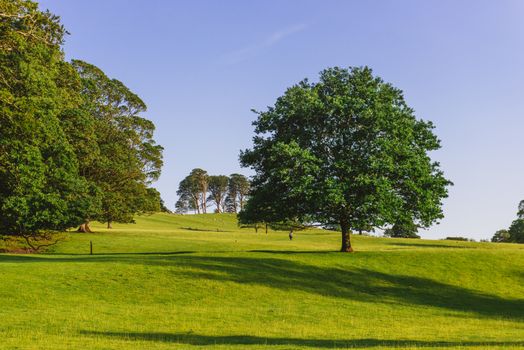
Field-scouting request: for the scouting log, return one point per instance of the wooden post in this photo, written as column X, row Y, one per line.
column 90, row 247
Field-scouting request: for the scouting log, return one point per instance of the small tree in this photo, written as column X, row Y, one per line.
column 402, row 230
column 501, row 236
column 516, row 231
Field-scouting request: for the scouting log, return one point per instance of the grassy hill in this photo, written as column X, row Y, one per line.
column 197, row 281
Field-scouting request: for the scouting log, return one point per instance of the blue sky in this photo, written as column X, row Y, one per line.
column 201, row 66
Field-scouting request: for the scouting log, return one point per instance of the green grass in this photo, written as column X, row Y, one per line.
column 197, row 281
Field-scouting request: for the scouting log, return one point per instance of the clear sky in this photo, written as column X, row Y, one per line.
column 201, row 66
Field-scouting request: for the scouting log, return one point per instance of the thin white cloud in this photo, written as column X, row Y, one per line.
column 242, row 54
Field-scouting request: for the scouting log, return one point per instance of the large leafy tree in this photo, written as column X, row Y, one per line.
column 118, row 155
column 39, row 184
column 346, row 150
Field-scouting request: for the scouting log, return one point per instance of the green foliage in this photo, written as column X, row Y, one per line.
column 39, row 183
column 402, row 230
column 238, row 190
column 126, row 159
column 458, row 238
column 192, row 192
column 163, row 207
column 218, row 187
column 73, row 145
column 501, row 236
column 516, row 231
column 346, row 150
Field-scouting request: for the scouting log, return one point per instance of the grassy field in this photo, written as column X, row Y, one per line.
column 197, row 281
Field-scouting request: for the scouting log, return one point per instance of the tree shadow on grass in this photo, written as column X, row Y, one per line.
column 292, row 252
column 429, row 245
column 353, row 283
column 203, row 229
column 360, row 284
column 202, row 340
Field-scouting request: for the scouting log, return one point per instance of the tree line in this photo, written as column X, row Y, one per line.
column 74, row 144
column 346, row 151
column 198, row 191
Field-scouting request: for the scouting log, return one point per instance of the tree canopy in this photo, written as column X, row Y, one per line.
column 39, row 183
column 73, row 144
column 346, row 150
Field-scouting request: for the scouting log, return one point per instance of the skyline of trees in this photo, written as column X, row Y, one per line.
column 75, row 147
column 199, row 191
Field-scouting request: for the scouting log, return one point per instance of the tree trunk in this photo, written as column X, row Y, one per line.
column 346, row 239
column 84, row 228
column 109, row 224
column 266, row 228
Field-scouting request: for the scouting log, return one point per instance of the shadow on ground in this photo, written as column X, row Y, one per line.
column 429, row 245
column 197, row 339
column 356, row 283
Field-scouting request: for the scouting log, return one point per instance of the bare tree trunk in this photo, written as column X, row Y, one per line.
column 266, row 228
column 84, row 227
column 197, row 206
column 204, row 207
column 109, row 224
column 217, row 202
column 346, row 237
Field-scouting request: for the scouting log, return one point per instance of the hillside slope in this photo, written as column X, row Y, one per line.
column 197, row 281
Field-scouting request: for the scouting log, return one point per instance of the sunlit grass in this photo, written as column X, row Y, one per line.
column 190, row 281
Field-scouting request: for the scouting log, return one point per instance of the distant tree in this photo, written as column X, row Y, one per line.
column 402, row 230
column 189, row 196
column 516, row 231
column 238, row 190
column 200, row 179
column 163, row 207
column 218, row 187
column 192, row 192
column 520, row 212
column 230, row 204
column 501, row 236
column 182, row 206
column 458, row 238
column 345, row 150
